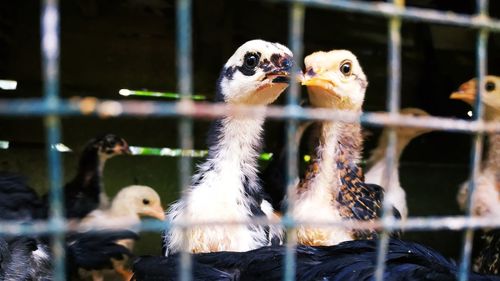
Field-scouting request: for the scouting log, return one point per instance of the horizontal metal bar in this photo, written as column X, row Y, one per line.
column 406, row 13
column 454, row 223
column 106, row 108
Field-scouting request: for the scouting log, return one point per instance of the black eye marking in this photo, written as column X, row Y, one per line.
column 346, row 68
column 250, row 62
column 145, row 201
column 490, row 86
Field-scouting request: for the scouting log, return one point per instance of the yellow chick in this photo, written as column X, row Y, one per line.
column 128, row 206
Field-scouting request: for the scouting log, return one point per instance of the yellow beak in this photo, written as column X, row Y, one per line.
column 463, row 95
column 317, row 80
column 156, row 212
column 466, row 92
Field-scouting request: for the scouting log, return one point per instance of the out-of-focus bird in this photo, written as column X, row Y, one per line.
column 226, row 187
column 333, row 188
column 82, row 194
column 376, row 165
column 128, row 206
column 486, row 200
column 348, row 261
column 486, row 197
column 85, row 192
column 30, row 259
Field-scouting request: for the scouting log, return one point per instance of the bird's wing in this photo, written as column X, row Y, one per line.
column 359, row 200
column 348, row 261
column 94, row 250
column 17, row 200
column 488, row 260
column 150, row 268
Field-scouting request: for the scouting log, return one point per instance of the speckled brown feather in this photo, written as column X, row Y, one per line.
column 355, row 199
column 488, row 261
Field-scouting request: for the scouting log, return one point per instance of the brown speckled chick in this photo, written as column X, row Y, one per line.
column 333, row 188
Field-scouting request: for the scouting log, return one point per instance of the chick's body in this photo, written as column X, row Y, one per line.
column 128, row 206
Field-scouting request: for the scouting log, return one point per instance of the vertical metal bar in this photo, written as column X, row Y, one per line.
column 477, row 140
column 295, row 37
column 393, row 105
column 50, row 60
column 185, row 88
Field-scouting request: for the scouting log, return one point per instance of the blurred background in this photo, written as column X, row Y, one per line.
column 108, row 45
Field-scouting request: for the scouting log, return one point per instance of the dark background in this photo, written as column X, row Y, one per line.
column 114, row 44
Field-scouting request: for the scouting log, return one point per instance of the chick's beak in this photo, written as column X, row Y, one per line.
column 156, row 212
column 317, row 79
column 466, row 92
column 122, row 149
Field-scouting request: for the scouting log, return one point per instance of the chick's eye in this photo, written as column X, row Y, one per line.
column 490, row 86
column 145, row 201
column 251, row 61
column 346, row 68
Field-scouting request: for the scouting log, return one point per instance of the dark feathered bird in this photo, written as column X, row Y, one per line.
column 94, row 250
column 351, row 260
column 85, row 191
column 17, row 200
column 82, row 194
column 29, row 259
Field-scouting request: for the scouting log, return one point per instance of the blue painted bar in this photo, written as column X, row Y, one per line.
column 407, row 13
column 295, row 40
column 185, row 88
column 478, row 139
column 129, row 109
column 393, row 106
column 50, row 63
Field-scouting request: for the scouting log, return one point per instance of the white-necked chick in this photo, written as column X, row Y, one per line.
column 226, row 187
column 376, row 165
column 128, row 206
column 486, row 200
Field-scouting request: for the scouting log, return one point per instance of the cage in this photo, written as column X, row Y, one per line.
column 147, row 69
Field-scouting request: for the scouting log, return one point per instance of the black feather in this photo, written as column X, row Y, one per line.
column 351, row 260
column 94, row 250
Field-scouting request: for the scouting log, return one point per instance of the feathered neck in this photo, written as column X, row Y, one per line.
column 89, row 169
column 234, row 144
column 339, row 150
column 493, row 154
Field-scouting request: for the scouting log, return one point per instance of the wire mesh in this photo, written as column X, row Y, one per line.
column 52, row 108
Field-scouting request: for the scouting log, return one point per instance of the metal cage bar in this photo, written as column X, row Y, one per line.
column 51, row 107
column 393, row 105
column 295, row 39
column 185, row 88
column 477, row 140
column 50, row 61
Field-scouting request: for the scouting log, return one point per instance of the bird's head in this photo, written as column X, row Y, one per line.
column 140, row 200
column 467, row 92
column 335, row 80
column 257, row 73
column 109, row 145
